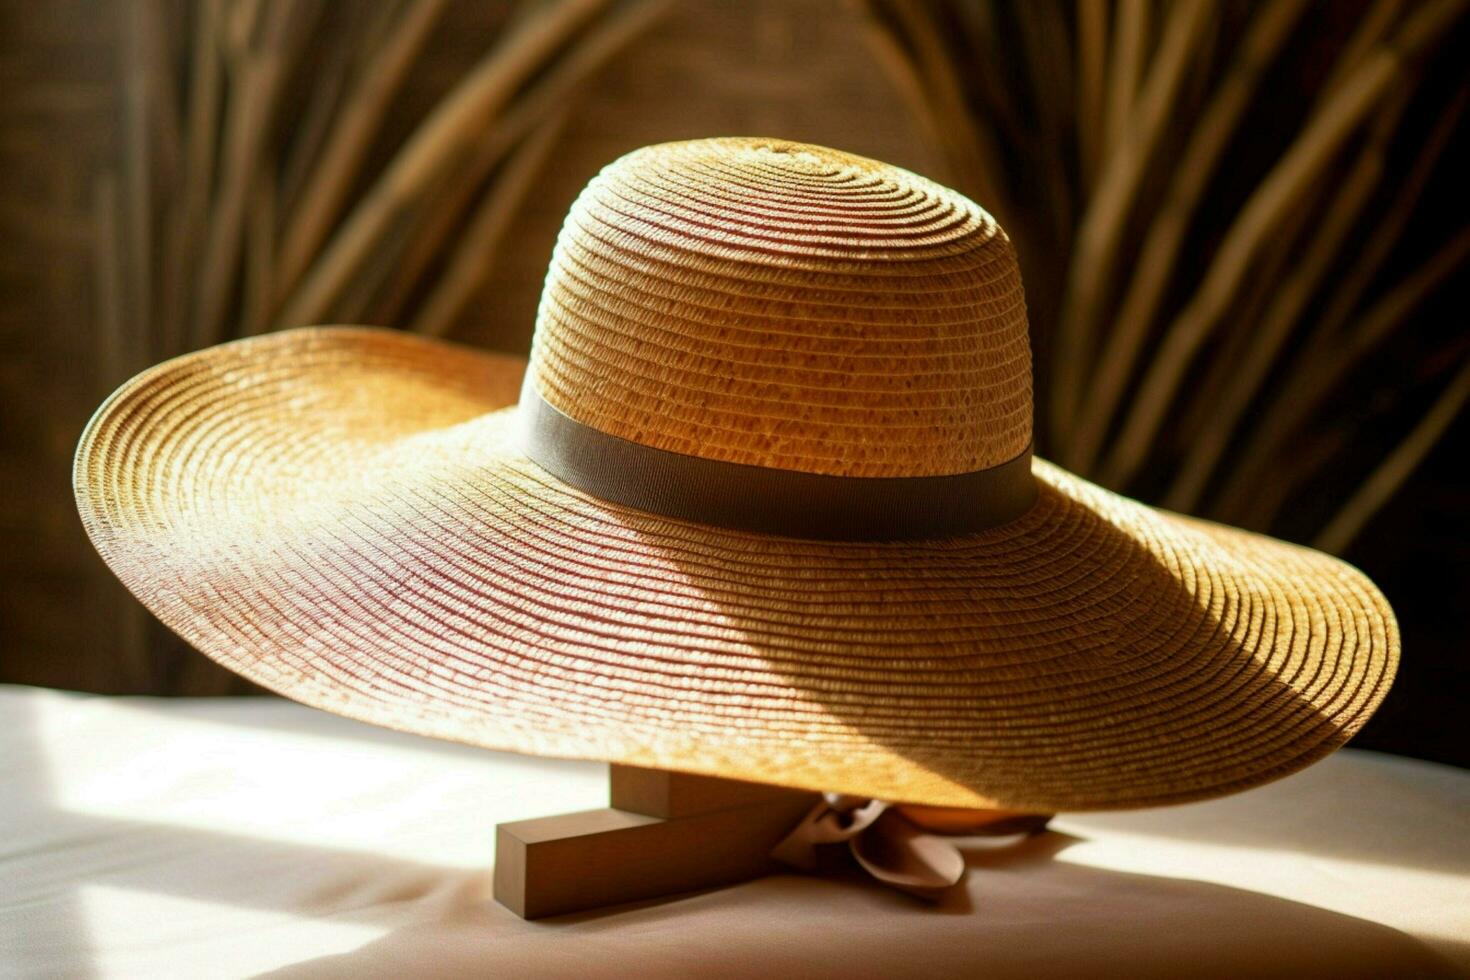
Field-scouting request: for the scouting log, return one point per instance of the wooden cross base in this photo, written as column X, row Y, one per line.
column 664, row 833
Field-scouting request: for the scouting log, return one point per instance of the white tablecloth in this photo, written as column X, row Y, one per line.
column 194, row 838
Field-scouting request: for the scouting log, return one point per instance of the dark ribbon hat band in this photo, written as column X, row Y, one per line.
column 767, row 500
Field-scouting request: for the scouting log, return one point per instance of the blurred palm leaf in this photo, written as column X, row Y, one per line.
column 276, row 174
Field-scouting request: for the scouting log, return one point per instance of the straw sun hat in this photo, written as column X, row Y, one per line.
column 765, row 508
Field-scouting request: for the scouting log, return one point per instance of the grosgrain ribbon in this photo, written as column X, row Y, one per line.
column 768, row 500
column 898, row 845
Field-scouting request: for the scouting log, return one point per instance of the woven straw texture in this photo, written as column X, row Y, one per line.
column 785, row 305
column 346, row 516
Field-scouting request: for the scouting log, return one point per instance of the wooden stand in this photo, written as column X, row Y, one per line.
column 664, row 833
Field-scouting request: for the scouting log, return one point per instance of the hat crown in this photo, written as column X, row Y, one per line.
column 789, row 306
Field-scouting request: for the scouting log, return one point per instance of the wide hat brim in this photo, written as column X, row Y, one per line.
column 345, row 516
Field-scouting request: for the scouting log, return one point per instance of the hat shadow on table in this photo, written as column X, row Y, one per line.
column 1024, row 914
column 1150, row 921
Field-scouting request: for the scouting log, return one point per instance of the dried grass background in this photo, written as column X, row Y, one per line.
column 263, row 186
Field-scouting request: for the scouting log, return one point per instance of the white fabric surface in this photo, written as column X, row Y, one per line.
column 151, row 838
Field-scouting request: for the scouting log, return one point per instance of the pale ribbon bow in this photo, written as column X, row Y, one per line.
column 891, row 847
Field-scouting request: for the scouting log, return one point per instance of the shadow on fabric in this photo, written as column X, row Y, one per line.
column 1023, row 915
